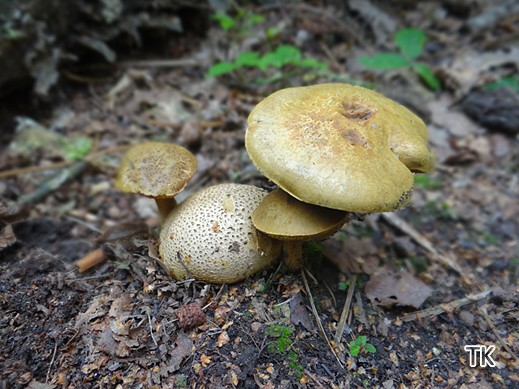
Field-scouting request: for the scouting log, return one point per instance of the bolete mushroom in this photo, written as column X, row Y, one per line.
column 283, row 217
column 339, row 146
column 158, row 170
column 210, row 236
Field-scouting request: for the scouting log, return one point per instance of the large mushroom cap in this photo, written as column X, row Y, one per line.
column 155, row 169
column 283, row 217
column 210, row 236
column 339, row 146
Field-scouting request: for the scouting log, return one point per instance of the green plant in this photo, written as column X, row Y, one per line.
column 511, row 82
column 427, row 182
column 344, row 285
column 361, row 345
column 283, row 345
column 410, row 42
column 282, row 56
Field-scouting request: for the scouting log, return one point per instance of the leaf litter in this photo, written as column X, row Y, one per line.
column 118, row 324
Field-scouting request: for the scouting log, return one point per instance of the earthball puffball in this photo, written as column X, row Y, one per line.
column 210, row 236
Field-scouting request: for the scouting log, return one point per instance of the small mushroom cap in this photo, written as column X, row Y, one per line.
column 210, row 236
column 155, row 169
column 283, row 217
column 339, row 146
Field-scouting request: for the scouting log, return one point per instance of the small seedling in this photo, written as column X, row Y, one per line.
column 360, row 345
column 282, row 56
column 344, row 285
column 282, row 345
column 410, row 42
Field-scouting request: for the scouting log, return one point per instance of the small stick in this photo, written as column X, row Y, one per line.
column 345, row 310
column 91, row 259
column 484, row 312
column 318, row 319
column 449, row 307
column 406, row 228
column 160, row 63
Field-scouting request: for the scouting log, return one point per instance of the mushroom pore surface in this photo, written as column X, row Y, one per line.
column 210, row 236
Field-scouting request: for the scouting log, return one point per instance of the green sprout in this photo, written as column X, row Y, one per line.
column 283, row 345
column 410, row 42
column 361, row 345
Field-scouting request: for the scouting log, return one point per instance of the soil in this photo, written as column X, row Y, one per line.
column 419, row 285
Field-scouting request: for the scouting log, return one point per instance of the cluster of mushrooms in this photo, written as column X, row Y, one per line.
column 332, row 150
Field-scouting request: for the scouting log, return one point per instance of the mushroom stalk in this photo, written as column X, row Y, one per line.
column 293, row 254
column 165, row 206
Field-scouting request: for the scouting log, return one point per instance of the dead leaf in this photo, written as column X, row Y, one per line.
column 205, row 360
column 223, row 338
column 182, row 349
column 299, row 314
column 388, row 288
column 352, row 255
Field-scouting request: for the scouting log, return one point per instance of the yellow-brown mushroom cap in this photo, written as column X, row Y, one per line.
column 155, row 169
column 283, row 217
column 339, row 146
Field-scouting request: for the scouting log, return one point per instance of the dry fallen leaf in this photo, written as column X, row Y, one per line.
column 388, row 288
column 205, row 360
column 299, row 314
column 223, row 338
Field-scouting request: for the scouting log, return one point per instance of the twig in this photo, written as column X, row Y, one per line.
column 91, row 259
column 161, row 63
column 484, row 312
column 345, row 310
column 32, row 169
column 151, row 331
column 318, row 319
column 53, row 182
column 51, row 362
column 449, row 307
column 58, row 165
column 406, row 228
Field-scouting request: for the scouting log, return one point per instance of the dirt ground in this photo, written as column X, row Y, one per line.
column 419, row 284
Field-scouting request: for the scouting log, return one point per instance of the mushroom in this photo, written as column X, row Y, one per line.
column 210, row 236
column 339, row 146
column 158, row 170
column 283, row 217
column 336, row 146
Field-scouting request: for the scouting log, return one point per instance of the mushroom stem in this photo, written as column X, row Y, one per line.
column 293, row 254
column 165, row 206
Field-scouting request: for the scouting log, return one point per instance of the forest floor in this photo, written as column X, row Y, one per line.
column 418, row 285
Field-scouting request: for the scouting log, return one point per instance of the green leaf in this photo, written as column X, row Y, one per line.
column 221, row 68
column 370, row 348
column 511, row 82
column 312, row 63
column 248, row 58
column 225, row 21
column 76, row 149
column 384, row 61
column 427, row 76
column 344, row 285
column 272, row 32
column 361, row 341
column 270, row 59
column 254, row 19
column 288, row 54
column 410, row 41
column 354, row 350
